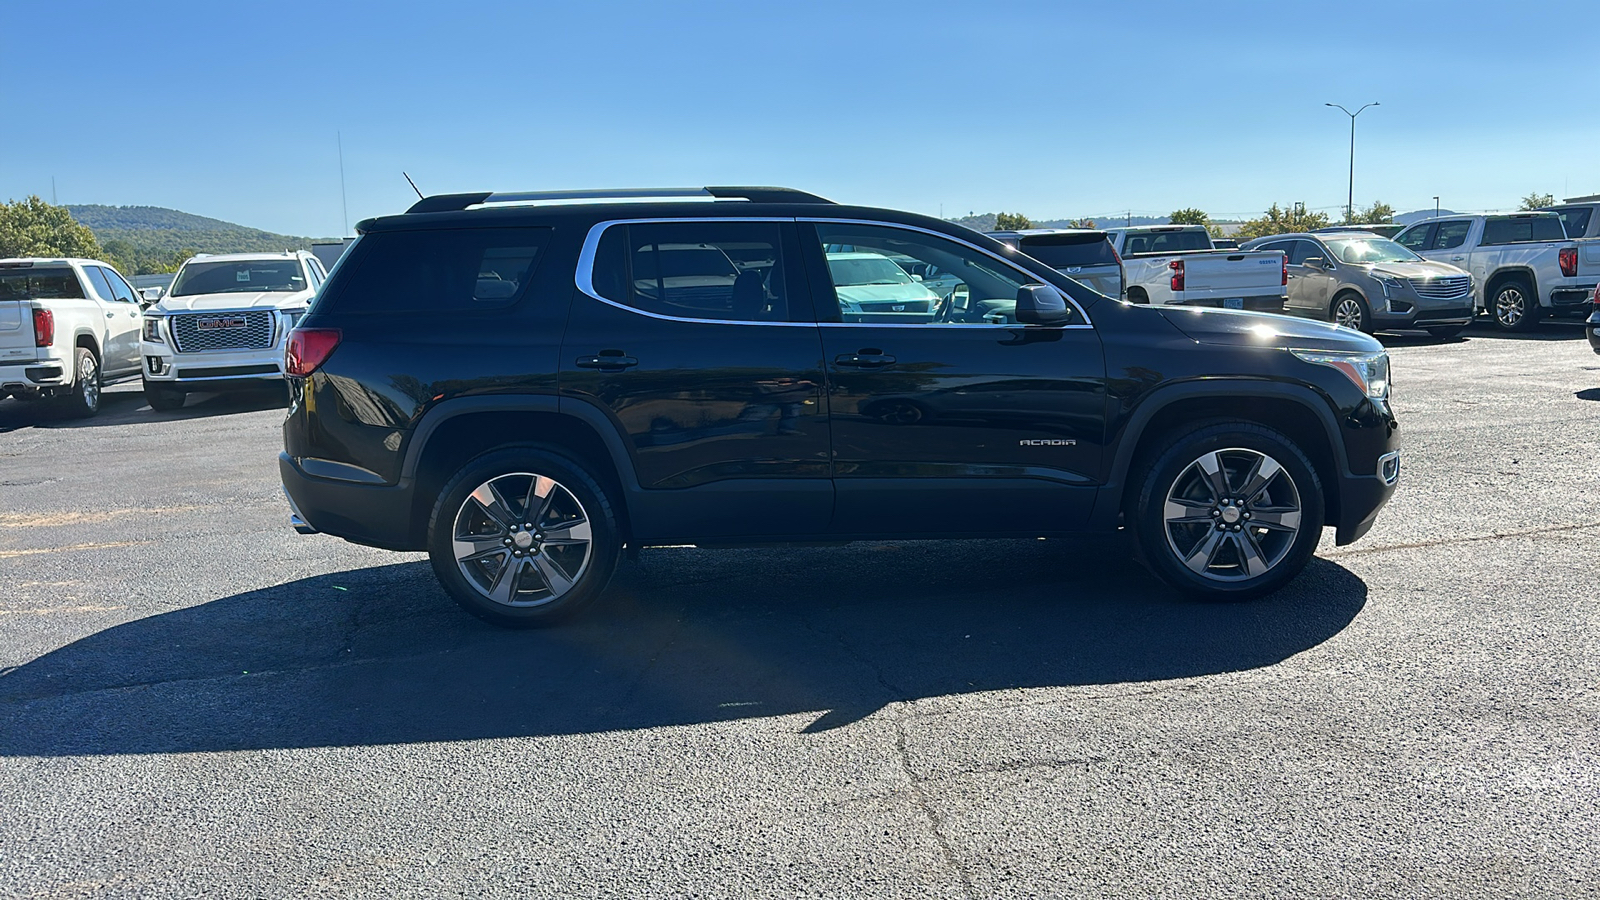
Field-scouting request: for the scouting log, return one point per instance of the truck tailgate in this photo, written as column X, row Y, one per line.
column 16, row 332
column 1238, row 273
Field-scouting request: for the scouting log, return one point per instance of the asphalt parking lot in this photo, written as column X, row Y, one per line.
column 196, row 700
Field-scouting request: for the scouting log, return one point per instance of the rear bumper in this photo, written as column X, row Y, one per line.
column 377, row 515
column 38, row 374
column 1265, row 303
column 1570, row 298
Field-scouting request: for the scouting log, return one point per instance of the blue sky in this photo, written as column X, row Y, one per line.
column 1052, row 109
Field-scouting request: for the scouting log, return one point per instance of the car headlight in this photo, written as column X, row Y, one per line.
column 152, row 329
column 1370, row 371
column 1389, row 283
column 294, row 316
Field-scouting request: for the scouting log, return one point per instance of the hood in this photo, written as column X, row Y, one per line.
column 1254, row 329
column 884, row 293
column 233, row 300
column 1427, row 269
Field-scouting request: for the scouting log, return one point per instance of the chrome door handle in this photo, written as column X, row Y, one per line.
column 606, row 362
column 1457, row 258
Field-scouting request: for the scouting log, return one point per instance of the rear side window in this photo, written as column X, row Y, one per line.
column 1576, row 220
column 436, row 271
column 1064, row 251
column 1522, row 229
column 727, row 271
column 1451, row 235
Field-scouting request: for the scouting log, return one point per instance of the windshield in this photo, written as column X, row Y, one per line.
column 850, row 270
column 1370, row 250
column 245, row 276
column 39, row 284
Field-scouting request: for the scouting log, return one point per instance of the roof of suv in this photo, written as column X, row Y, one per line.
column 242, row 257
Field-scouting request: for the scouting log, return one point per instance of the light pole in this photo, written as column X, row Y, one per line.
column 1350, row 202
column 1436, row 207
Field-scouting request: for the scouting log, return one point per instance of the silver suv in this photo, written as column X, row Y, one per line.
column 1370, row 283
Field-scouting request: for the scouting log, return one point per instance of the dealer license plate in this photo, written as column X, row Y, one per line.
column 1233, row 303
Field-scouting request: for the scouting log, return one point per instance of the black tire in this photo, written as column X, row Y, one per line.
column 164, row 399
column 1226, row 574
column 1513, row 306
column 84, row 400
column 1351, row 310
column 1446, row 332
column 530, row 598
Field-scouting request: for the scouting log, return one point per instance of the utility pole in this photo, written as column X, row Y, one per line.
column 1350, row 201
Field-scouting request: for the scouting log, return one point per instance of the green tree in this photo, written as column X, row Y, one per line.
column 1379, row 213
column 1011, row 222
column 1537, row 200
column 1189, row 216
column 1278, row 220
column 33, row 227
column 1081, row 223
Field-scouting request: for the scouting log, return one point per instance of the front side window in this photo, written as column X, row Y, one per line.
column 120, row 290
column 872, row 269
column 1415, row 238
column 448, row 270
column 239, row 277
column 722, row 271
column 97, row 278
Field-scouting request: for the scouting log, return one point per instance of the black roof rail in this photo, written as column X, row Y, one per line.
column 455, row 202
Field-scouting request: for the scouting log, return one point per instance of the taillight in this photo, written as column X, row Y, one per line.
column 1597, row 296
column 1568, row 257
column 1177, row 274
column 309, row 348
column 1285, row 281
column 44, row 327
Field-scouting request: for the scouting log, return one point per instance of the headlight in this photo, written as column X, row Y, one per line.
column 1389, row 283
column 1370, row 371
column 152, row 329
column 294, row 315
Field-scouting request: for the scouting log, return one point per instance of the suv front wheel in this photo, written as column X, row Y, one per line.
column 1229, row 511
column 523, row 537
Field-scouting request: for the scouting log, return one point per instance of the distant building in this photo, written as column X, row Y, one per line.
column 162, row 281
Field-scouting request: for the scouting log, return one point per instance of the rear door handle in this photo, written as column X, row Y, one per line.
column 111, row 315
column 866, row 359
column 607, row 362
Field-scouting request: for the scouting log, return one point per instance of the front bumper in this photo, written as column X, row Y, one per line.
column 1405, row 308
column 1371, row 474
column 215, row 370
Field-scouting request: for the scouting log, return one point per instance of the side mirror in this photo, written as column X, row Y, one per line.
column 961, row 297
column 151, row 294
column 1315, row 262
column 1041, row 304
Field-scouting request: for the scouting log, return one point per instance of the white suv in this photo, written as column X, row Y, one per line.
column 222, row 325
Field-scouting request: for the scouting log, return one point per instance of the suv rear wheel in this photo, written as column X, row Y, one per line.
column 1229, row 511
column 523, row 537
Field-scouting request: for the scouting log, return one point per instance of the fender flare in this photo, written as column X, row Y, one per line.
column 1518, row 271
column 587, row 413
column 1233, row 389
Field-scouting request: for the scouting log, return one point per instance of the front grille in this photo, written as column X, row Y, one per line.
column 1442, row 288
column 255, row 335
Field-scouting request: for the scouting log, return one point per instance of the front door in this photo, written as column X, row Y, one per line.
column 693, row 338
column 123, row 316
column 950, row 417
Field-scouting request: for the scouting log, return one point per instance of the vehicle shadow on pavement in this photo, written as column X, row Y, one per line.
column 122, row 407
column 381, row 656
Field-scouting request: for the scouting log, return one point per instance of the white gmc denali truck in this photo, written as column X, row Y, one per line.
column 67, row 328
column 223, row 324
column 1177, row 264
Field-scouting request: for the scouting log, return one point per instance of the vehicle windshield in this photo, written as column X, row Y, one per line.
column 39, row 284
column 852, row 270
column 1370, row 250
column 240, row 276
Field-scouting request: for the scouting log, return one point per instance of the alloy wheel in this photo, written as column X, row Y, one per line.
column 522, row 539
column 1232, row 515
column 1348, row 313
column 91, row 386
column 1509, row 307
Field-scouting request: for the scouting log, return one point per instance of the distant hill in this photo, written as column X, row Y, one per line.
column 1411, row 218
column 985, row 221
column 148, row 239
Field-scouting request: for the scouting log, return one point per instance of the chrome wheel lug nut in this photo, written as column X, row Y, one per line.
column 508, row 542
column 1235, row 528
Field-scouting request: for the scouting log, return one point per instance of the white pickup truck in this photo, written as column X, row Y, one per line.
column 67, row 327
column 1523, row 265
column 1176, row 264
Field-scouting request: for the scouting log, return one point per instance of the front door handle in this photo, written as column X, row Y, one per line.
column 866, row 359
column 610, row 361
column 1457, row 258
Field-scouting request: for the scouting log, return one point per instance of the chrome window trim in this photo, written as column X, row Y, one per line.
column 584, row 273
column 1031, row 279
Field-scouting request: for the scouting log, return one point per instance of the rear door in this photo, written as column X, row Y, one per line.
column 696, row 339
column 965, row 422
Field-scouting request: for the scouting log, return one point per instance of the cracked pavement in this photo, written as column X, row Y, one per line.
column 195, row 700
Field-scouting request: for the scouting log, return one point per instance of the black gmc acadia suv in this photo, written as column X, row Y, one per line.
column 524, row 388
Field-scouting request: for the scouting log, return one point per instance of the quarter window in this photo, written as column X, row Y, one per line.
column 873, row 272
column 454, row 270
column 725, row 271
